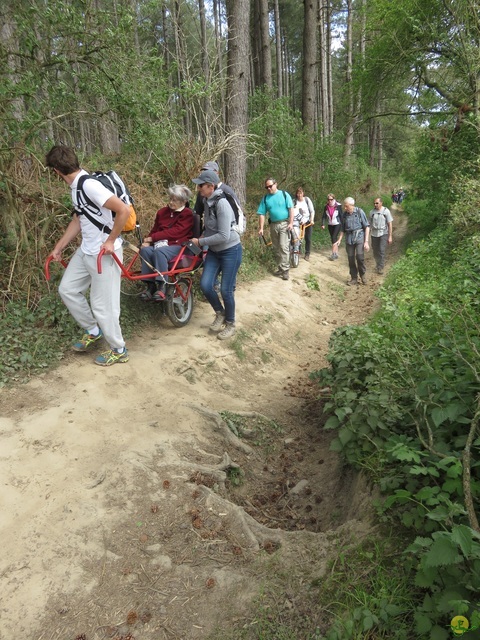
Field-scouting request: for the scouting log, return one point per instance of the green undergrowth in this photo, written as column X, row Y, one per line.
column 405, row 406
column 367, row 593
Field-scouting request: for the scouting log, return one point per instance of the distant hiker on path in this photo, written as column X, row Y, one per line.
column 356, row 229
column 101, row 317
column 306, row 212
column 381, row 225
column 333, row 218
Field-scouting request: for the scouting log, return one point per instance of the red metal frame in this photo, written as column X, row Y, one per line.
column 170, row 276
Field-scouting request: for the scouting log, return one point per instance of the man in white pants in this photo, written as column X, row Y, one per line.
column 100, row 318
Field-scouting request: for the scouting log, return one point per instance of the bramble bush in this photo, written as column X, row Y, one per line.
column 405, row 403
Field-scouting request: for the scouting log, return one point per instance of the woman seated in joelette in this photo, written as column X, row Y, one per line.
column 173, row 226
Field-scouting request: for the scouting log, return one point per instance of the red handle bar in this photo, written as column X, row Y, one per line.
column 114, row 256
column 47, row 266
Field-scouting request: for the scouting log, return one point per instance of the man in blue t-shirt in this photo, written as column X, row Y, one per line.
column 279, row 206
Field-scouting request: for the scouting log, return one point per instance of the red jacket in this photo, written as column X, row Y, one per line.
column 174, row 226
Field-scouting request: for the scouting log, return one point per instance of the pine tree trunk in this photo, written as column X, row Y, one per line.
column 265, row 52
column 278, row 50
column 349, row 87
column 238, row 12
column 309, row 63
column 205, row 68
column 329, row 66
column 255, row 44
column 323, row 80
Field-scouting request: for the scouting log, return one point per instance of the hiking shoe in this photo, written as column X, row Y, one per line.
column 111, row 357
column 285, row 275
column 332, row 257
column 380, row 271
column 278, row 273
column 352, row 283
column 307, row 257
column 146, row 295
column 86, row 341
column 363, row 279
column 227, row 332
column 335, row 256
column 218, row 323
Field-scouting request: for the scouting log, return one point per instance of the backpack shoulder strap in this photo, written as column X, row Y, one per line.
column 103, row 227
column 80, row 183
column 213, row 208
column 88, row 207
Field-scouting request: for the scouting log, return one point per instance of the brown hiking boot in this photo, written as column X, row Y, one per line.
column 218, row 323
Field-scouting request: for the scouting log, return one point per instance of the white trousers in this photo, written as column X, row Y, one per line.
column 104, row 307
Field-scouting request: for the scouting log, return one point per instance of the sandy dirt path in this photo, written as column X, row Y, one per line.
column 99, row 505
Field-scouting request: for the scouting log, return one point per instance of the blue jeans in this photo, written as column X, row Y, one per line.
column 227, row 263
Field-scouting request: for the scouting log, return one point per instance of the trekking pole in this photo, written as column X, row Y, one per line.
column 262, row 238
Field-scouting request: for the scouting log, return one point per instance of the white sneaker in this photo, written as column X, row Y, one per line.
column 227, row 332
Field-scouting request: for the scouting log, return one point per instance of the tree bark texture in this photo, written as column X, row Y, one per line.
column 265, row 51
column 238, row 12
column 309, row 63
column 278, row 50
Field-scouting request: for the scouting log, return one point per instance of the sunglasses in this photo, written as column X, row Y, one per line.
column 329, row 198
column 269, row 186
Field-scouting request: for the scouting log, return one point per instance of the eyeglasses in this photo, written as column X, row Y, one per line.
column 269, row 186
column 377, row 203
column 329, row 198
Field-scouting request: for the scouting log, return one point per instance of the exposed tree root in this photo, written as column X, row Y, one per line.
column 221, row 426
column 251, row 534
column 253, row 414
column 217, row 471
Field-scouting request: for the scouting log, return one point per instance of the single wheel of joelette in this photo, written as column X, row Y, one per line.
column 180, row 302
column 294, row 255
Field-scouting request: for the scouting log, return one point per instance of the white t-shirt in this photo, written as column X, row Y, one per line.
column 92, row 236
column 301, row 212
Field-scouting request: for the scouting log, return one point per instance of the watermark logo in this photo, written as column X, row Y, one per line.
column 460, row 625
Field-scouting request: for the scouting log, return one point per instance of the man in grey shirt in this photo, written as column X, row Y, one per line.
column 381, row 227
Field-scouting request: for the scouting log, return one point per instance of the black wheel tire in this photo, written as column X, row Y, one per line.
column 179, row 311
column 294, row 259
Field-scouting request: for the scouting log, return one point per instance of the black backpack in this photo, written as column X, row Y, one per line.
column 112, row 181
